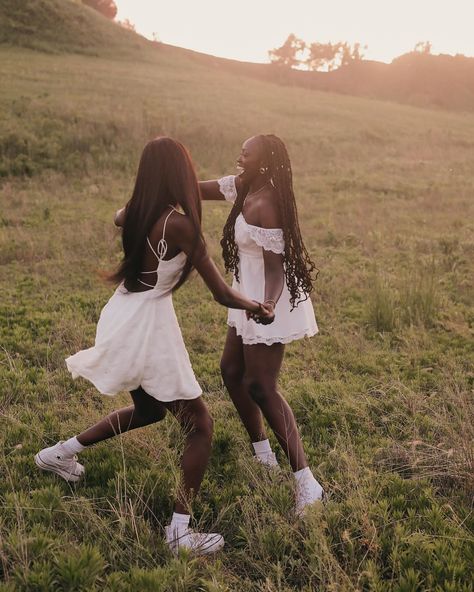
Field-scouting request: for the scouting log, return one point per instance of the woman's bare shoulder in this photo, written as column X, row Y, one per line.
column 181, row 230
column 268, row 211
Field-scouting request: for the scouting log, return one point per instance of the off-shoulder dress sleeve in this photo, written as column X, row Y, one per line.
column 227, row 188
column 270, row 239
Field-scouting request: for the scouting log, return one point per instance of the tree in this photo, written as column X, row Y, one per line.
column 287, row 54
column 423, row 47
column 126, row 24
column 106, row 7
column 328, row 56
column 350, row 53
column 322, row 55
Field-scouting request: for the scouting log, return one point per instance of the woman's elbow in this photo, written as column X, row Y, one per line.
column 222, row 297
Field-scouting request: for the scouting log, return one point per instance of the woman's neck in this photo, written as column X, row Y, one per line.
column 257, row 185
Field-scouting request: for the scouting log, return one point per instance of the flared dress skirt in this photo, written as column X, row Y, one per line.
column 288, row 325
column 138, row 343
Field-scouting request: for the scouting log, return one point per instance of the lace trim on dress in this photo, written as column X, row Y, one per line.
column 270, row 239
column 272, row 340
column 227, row 188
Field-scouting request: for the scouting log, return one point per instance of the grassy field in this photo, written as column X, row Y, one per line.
column 383, row 395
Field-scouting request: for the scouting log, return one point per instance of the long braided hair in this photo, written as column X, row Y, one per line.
column 297, row 264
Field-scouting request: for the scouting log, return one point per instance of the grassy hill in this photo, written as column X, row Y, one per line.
column 383, row 395
column 63, row 26
column 436, row 81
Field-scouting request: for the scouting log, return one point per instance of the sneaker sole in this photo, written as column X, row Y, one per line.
column 209, row 549
column 69, row 477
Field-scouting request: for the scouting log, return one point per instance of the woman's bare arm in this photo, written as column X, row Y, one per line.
column 273, row 262
column 274, row 276
column 182, row 233
column 210, row 190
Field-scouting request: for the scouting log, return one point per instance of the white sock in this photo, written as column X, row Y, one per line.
column 303, row 475
column 72, row 446
column 262, row 448
column 180, row 522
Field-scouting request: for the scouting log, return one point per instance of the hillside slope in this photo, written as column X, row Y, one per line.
column 68, row 26
column 423, row 80
column 63, row 26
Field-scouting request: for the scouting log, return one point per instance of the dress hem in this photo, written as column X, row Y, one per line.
column 272, row 340
column 76, row 373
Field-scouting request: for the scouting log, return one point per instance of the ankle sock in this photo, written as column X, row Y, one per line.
column 179, row 521
column 72, row 446
column 262, row 448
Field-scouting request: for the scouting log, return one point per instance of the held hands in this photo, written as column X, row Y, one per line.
column 264, row 315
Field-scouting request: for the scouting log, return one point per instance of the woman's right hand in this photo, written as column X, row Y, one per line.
column 264, row 315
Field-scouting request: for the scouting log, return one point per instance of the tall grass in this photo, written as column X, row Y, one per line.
column 415, row 302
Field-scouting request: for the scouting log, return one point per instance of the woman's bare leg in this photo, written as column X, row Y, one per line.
column 233, row 371
column 197, row 425
column 262, row 367
column 144, row 411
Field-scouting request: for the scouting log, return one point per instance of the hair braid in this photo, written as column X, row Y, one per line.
column 230, row 250
column 298, row 266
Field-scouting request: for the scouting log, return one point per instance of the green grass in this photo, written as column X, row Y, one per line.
column 383, row 396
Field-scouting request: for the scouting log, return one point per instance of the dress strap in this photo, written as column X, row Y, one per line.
column 162, row 246
column 161, row 250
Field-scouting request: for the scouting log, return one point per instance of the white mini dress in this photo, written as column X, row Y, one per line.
column 138, row 340
column 288, row 325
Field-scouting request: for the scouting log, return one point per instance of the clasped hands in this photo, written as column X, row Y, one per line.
column 265, row 314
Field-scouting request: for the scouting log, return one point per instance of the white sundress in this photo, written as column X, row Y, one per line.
column 288, row 325
column 139, row 342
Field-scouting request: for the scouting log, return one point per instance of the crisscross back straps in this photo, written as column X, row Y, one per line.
column 160, row 253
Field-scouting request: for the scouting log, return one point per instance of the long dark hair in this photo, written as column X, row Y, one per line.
column 298, row 265
column 165, row 176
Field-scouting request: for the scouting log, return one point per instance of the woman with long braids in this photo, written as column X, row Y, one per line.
column 138, row 344
column 262, row 246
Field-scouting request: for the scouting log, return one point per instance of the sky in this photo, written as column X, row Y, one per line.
column 247, row 29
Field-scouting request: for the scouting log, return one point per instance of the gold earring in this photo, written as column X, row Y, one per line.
column 263, row 170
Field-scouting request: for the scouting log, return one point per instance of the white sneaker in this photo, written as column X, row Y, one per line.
column 53, row 459
column 198, row 542
column 268, row 459
column 308, row 493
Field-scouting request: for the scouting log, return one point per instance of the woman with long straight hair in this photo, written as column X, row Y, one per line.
column 138, row 345
column 262, row 246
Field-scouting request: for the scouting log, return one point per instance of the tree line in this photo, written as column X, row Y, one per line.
column 296, row 53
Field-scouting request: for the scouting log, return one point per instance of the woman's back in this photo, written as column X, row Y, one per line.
column 163, row 261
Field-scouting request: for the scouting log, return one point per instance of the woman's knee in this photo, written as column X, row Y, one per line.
column 204, row 424
column 195, row 418
column 232, row 373
column 259, row 390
